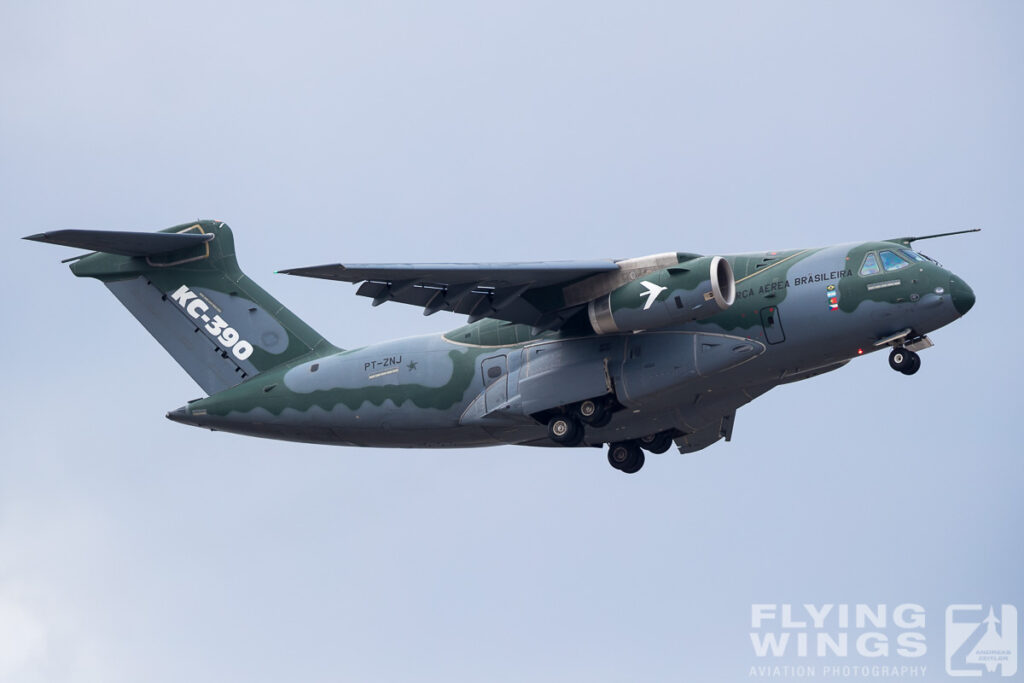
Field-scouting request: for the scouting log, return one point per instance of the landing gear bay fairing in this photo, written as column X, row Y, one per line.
column 639, row 354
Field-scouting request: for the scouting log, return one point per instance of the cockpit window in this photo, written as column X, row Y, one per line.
column 870, row 265
column 913, row 255
column 891, row 261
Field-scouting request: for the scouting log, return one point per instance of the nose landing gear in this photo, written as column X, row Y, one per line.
column 902, row 360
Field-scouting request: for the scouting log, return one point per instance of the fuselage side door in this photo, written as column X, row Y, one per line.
column 494, row 371
column 772, row 324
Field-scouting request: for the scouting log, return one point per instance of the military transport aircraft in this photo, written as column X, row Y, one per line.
column 639, row 354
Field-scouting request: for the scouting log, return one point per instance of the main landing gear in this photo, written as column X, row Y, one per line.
column 595, row 413
column 628, row 456
column 566, row 429
column 902, row 360
column 657, row 443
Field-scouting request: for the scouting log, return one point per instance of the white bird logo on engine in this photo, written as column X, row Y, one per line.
column 652, row 293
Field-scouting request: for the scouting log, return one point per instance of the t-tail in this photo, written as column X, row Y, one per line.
column 185, row 287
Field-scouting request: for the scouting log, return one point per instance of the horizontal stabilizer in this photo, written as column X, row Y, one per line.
column 123, row 243
column 185, row 287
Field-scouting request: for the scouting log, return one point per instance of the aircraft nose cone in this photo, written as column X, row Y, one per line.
column 963, row 296
column 179, row 415
column 182, row 415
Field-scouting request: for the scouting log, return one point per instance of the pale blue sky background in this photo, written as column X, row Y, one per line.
column 132, row 548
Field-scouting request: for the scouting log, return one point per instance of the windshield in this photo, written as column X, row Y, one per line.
column 912, row 255
column 870, row 266
column 891, row 261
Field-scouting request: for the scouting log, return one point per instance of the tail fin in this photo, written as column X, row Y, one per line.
column 184, row 285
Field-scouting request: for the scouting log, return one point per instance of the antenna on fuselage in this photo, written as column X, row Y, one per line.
column 908, row 240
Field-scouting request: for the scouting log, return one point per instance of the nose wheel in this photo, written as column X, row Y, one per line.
column 902, row 360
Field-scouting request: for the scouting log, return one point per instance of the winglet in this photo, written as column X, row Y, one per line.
column 908, row 240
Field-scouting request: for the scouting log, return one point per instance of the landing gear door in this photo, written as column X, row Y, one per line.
column 494, row 371
column 772, row 324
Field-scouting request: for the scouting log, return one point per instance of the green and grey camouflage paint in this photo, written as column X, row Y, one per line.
column 684, row 349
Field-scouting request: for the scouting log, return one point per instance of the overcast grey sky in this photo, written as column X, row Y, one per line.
column 132, row 548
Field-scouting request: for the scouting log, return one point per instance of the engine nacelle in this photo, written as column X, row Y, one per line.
column 692, row 290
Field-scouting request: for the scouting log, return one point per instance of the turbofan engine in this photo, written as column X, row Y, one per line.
column 692, row 290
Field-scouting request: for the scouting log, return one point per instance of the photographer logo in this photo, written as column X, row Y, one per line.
column 981, row 641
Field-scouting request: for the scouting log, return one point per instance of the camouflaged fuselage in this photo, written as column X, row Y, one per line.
column 796, row 314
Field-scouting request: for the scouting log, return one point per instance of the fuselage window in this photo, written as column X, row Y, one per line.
column 870, row 266
column 891, row 261
column 913, row 255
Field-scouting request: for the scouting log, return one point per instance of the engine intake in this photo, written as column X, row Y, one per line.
column 693, row 290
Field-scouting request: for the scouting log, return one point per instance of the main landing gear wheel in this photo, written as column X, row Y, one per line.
column 594, row 412
column 656, row 443
column 565, row 430
column 626, row 456
column 902, row 360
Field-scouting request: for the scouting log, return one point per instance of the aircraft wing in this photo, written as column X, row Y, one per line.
column 540, row 294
